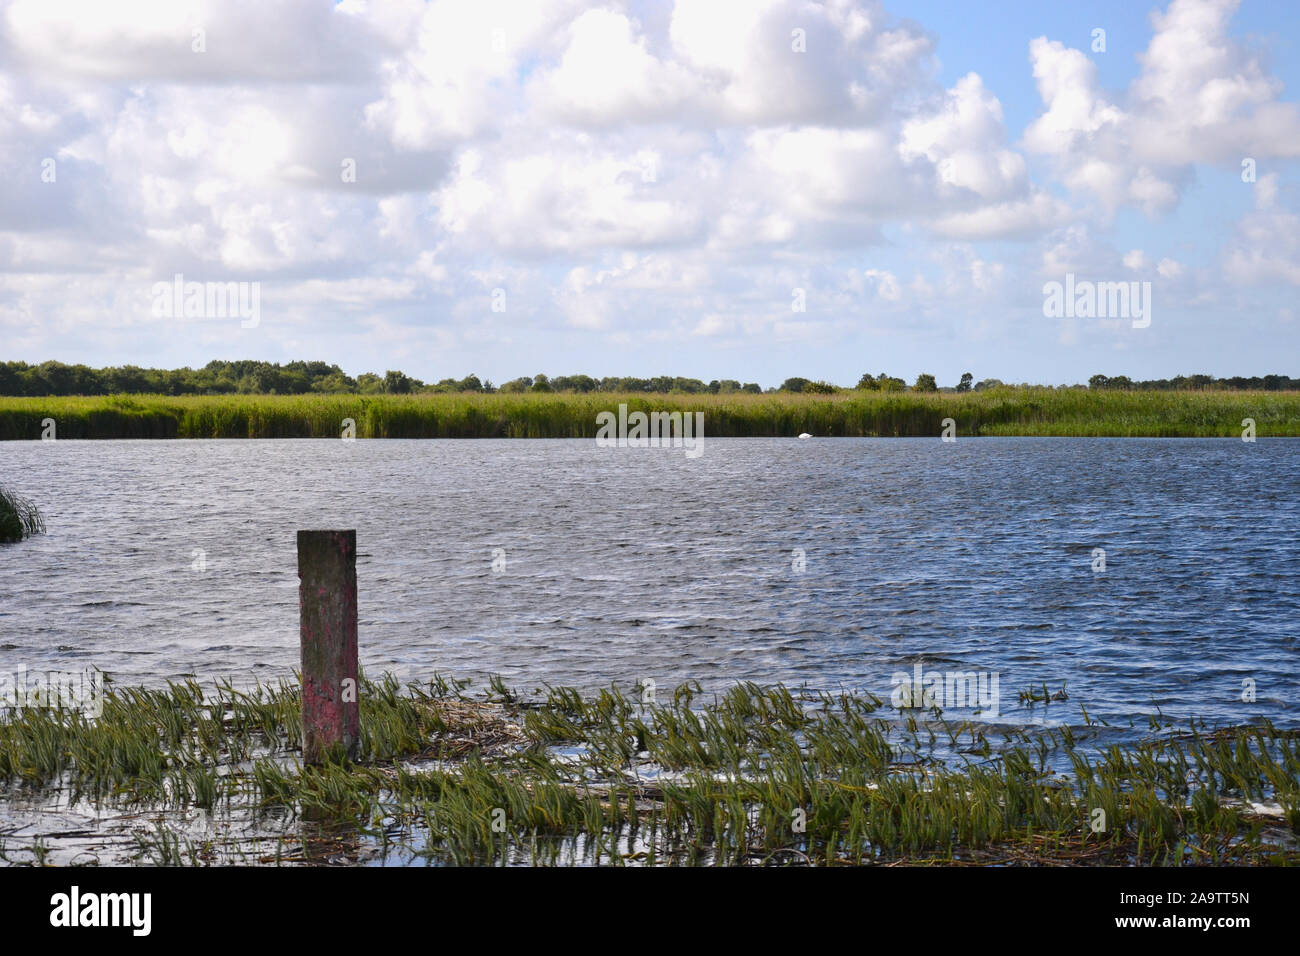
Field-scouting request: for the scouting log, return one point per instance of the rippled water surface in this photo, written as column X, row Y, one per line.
column 630, row 564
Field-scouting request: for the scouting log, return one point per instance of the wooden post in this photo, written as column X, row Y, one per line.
column 327, row 606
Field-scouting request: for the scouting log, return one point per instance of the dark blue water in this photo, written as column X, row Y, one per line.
column 630, row 564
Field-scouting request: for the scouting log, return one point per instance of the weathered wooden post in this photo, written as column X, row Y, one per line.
column 327, row 605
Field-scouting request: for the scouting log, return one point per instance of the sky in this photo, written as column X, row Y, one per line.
column 744, row 189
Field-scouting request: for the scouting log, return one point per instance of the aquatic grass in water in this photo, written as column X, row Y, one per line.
column 19, row 517
column 756, row 775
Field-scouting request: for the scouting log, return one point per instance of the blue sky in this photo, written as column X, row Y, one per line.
column 652, row 188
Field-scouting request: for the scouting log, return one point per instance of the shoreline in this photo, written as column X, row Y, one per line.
column 1001, row 412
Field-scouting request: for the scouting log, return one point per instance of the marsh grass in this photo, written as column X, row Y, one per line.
column 1001, row 411
column 1041, row 695
column 19, row 517
column 756, row 775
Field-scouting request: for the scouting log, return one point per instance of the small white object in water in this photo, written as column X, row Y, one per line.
column 804, row 435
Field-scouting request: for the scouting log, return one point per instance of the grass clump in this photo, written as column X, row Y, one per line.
column 19, row 517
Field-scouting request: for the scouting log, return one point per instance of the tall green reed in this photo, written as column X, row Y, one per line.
column 1001, row 411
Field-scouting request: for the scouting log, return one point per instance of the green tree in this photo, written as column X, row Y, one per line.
column 397, row 383
column 334, row 383
column 925, row 383
column 966, row 379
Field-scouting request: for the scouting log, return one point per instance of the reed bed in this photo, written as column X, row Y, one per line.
column 759, row 775
column 1000, row 411
column 19, row 517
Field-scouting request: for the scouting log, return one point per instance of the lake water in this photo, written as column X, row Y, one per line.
column 171, row 558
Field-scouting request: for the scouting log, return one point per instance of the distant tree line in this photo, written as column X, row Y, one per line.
column 661, row 383
column 251, row 377
column 1270, row 383
column 298, row 378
